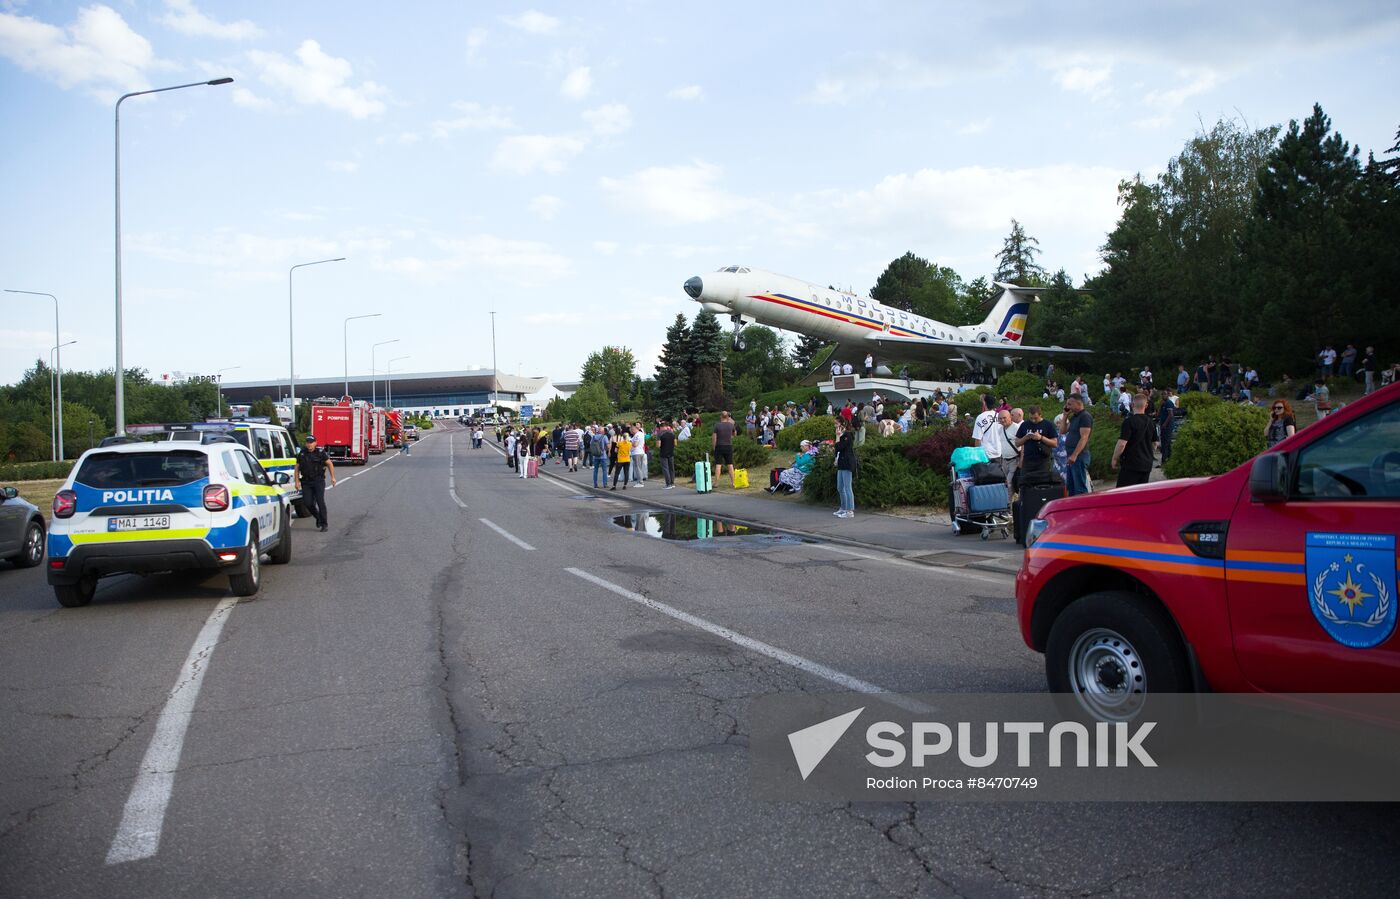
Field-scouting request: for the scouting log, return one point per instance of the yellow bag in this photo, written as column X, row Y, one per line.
column 741, row 477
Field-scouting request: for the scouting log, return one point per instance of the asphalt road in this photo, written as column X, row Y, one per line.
column 420, row 705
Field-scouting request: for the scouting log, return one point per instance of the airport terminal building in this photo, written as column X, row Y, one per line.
column 443, row 393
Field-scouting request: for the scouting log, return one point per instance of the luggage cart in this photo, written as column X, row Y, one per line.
column 973, row 508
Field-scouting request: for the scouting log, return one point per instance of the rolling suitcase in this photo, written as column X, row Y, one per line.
column 532, row 467
column 986, row 498
column 1029, row 502
column 702, row 476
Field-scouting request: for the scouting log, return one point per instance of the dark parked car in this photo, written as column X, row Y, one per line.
column 21, row 530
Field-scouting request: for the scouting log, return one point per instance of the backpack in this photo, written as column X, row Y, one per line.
column 597, row 446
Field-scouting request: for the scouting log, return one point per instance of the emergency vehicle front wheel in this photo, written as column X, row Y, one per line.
column 247, row 577
column 1108, row 649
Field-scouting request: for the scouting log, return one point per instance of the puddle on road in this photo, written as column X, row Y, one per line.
column 681, row 527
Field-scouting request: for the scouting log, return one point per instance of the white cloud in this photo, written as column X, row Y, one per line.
column 526, row 153
column 864, row 76
column 687, row 92
column 606, row 247
column 318, row 79
column 344, row 166
column 249, row 100
column 525, row 262
column 474, row 117
column 1167, row 102
column 678, row 194
column 533, row 22
column 98, row 47
column 546, row 206
column 611, row 118
column 182, row 16
column 1084, row 79
column 976, row 127
column 578, row 84
column 476, row 39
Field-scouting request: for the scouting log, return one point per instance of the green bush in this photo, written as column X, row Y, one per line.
column 1216, row 439
column 34, row 471
column 887, row 478
column 1102, row 440
column 815, row 429
column 1192, row 400
column 1021, row 383
column 781, row 396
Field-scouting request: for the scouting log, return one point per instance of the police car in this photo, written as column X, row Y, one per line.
column 167, row 505
column 271, row 444
column 1277, row 577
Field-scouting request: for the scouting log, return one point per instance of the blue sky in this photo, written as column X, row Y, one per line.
column 571, row 165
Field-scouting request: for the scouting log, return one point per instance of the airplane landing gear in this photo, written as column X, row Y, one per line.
column 739, row 343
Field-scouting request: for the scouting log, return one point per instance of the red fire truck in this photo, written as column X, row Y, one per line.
column 341, row 427
column 377, row 431
column 393, row 427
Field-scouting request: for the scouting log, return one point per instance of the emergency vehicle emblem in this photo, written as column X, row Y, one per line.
column 1351, row 586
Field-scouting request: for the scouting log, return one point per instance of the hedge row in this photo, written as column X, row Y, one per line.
column 34, row 471
column 816, row 429
column 747, row 454
column 1217, row 438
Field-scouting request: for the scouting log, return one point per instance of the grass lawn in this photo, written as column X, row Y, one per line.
column 40, row 493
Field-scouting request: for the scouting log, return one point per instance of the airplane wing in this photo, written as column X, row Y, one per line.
column 962, row 346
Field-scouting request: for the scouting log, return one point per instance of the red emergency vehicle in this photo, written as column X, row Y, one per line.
column 393, row 427
column 342, row 429
column 1279, row 576
column 376, row 431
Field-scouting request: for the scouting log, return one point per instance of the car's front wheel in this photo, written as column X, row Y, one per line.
column 1109, row 649
column 245, row 579
column 32, row 552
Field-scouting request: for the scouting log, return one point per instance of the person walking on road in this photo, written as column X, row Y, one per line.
column 639, row 454
column 1132, row 455
column 666, row 453
column 1081, row 425
column 722, row 446
column 522, row 454
column 622, row 457
column 598, row 455
column 846, row 466
column 309, row 476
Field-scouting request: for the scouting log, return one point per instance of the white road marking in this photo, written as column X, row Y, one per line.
column 138, row 835
column 452, row 471
column 506, row 534
column 841, row 679
column 986, row 578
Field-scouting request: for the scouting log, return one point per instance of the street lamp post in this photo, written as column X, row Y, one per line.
column 374, row 370
column 291, row 337
column 56, row 417
column 389, row 377
column 219, row 391
column 345, row 343
column 57, row 437
column 119, row 372
column 495, row 379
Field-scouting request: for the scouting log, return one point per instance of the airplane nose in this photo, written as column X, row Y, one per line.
column 694, row 287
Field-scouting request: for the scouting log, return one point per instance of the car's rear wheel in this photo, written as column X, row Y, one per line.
column 32, row 552
column 1109, row 649
column 282, row 553
column 247, row 577
column 75, row 595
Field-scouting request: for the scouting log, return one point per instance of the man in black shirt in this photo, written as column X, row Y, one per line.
column 666, row 440
column 1132, row 456
column 313, row 463
column 1037, row 440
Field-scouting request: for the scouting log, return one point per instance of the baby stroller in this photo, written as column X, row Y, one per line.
column 978, row 501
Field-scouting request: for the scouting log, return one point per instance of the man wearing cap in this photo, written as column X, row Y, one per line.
column 309, row 477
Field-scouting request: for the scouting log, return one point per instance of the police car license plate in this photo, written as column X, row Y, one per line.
column 139, row 523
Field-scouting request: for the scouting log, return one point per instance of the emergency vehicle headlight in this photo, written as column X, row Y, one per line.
column 65, row 503
column 1034, row 530
column 216, row 497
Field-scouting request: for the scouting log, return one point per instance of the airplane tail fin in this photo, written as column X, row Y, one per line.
column 1006, row 323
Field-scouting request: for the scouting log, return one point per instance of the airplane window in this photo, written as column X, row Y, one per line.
column 743, row 271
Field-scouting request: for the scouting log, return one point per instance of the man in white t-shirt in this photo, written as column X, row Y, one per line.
column 1125, row 402
column 984, row 422
column 846, row 369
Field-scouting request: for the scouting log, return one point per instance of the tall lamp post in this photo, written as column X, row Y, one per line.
column 374, row 371
column 345, row 343
column 56, row 417
column 119, row 373
column 389, row 377
column 57, row 437
column 291, row 336
column 495, row 378
column 219, row 390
